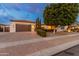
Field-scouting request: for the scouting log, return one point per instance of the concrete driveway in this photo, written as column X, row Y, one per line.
column 17, row 36
column 3, row 33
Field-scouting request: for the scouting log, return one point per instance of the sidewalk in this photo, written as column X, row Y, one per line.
column 46, row 46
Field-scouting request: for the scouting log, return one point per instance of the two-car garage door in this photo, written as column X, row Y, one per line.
column 23, row 28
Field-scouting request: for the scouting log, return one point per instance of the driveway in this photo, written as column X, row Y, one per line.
column 3, row 33
column 17, row 36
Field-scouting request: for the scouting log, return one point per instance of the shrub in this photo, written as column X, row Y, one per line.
column 47, row 30
column 74, row 30
column 41, row 32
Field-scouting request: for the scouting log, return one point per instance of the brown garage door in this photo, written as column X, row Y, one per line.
column 23, row 28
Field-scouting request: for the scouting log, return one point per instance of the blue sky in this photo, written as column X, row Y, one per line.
column 25, row 11
column 28, row 11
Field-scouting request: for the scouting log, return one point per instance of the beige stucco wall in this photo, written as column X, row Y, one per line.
column 33, row 27
column 13, row 26
column 48, row 27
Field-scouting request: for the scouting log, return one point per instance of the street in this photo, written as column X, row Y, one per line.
column 73, row 51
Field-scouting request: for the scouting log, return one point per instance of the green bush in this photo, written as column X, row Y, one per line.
column 41, row 32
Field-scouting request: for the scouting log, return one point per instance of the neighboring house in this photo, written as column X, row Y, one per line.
column 47, row 27
column 62, row 28
column 74, row 27
column 22, row 26
column 4, row 28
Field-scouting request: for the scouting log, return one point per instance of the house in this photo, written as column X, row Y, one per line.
column 48, row 27
column 73, row 27
column 4, row 28
column 25, row 26
column 29, row 26
column 22, row 26
column 62, row 28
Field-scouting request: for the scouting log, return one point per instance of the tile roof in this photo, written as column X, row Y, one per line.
column 22, row 21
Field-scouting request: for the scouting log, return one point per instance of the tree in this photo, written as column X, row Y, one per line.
column 61, row 14
column 38, row 23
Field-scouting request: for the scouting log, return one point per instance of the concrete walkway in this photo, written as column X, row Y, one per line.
column 42, row 46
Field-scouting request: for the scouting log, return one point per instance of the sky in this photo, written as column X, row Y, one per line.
column 19, row 11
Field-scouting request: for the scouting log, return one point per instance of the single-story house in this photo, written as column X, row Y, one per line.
column 29, row 26
column 22, row 26
column 4, row 28
column 25, row 26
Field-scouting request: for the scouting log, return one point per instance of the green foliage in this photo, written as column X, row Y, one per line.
column 41, row 32
column 61, row 14
column 38, row 23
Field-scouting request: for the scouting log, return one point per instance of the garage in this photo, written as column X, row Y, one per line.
column 23, row 28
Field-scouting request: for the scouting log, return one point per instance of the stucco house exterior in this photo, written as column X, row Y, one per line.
column 4, row 28
column 29, row 26
column 22, row 26
column 25, row 26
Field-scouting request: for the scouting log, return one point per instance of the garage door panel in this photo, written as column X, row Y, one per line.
column 23, row 28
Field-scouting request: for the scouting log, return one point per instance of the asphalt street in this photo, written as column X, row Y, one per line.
column 74, row 51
